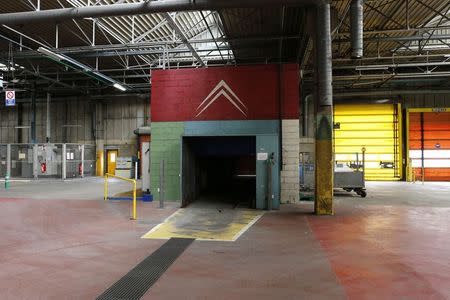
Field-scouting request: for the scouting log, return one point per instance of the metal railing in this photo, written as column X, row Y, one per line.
column 105, row 191
column 48, row 160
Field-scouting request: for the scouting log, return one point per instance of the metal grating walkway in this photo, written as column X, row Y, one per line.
column 136, row 283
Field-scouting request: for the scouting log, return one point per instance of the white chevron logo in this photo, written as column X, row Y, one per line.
column 222, row 89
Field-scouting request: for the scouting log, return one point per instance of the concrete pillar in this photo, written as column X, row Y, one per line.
column 289, row 172
column 323, row 204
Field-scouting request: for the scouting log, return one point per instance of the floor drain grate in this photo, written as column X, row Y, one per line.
column 136, row 283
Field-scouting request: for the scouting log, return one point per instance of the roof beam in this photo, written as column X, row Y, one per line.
column 183, row 37
column 129, row 9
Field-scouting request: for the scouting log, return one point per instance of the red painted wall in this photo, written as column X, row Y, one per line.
column 235, row 93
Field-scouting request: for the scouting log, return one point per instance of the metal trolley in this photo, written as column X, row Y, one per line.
column 349, row 176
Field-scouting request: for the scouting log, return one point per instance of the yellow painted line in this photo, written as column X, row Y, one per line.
column 205, row 224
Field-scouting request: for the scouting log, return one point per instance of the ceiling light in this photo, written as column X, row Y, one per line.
column 72, row 63
column 50, row 54
column 371, row 68
column 119, row 87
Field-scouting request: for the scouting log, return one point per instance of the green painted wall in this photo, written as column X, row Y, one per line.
column 166, row 144
column 166, row 137
column 267, row 144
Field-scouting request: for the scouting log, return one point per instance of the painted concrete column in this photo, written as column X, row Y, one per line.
column 323, row 204
column 289, row 172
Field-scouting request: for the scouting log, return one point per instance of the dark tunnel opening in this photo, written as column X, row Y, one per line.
column 219, row 170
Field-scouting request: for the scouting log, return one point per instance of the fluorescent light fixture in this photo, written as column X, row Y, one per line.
column 50, row 54
column 383, row 101
column 371, row 68
column 70, row 62
column 119, row 87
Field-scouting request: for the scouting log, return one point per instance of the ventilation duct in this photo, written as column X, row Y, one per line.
column 357, row 27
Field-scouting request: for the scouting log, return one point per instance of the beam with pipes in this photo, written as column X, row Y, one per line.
column 140, row 8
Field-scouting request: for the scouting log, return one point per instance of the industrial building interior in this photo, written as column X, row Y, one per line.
column 225, row 149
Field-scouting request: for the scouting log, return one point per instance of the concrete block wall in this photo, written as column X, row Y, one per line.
column 165, row 145
column 290, row 168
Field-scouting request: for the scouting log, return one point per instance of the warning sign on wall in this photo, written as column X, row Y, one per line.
column 10, row 98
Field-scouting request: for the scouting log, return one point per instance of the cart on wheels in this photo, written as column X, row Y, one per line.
column 349, row 176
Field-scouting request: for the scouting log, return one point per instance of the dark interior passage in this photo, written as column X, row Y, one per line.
column 219, row 170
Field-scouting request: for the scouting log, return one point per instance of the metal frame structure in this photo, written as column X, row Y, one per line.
column 404, row 41
column 345, row 47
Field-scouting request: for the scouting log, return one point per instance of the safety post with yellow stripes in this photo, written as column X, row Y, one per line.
column 323, row 204
column 105, row 192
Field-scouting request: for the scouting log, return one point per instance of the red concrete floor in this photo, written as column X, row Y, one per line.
column 382, row 252
column 73, row 249
column 70, row 249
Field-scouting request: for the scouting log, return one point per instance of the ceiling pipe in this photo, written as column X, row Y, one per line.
column 389, row 93
column 148, row 7
column 356, row 28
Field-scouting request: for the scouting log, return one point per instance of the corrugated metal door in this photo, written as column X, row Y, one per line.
column 429, row 145
column 375, row 127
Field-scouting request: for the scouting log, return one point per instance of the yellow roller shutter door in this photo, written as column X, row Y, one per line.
column 376, row 127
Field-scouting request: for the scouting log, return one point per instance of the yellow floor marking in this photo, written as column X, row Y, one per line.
column 206, row 224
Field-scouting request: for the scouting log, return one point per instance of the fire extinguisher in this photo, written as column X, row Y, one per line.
column 80, row 169
column 43, row 167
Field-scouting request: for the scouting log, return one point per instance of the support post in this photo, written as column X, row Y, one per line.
column 33, row 115
column 105, row 188
column 35, row 161
column 161, row 184
column 64, row 161
column 136, row 165
column 8, row 166
column 269, row 183
column 82, row 161
column 134, row 217
column 48, row 128
column 323, row 204
column 8, row 160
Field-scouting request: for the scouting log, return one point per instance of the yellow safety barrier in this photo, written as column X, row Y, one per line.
column 105, row 195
